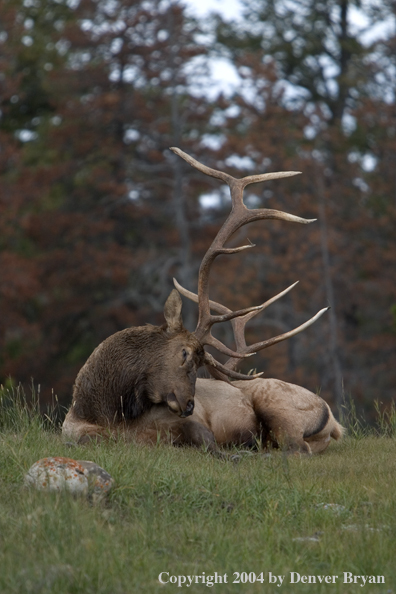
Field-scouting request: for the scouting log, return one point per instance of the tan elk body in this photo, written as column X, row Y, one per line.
column 137, row 379
column 265, row 411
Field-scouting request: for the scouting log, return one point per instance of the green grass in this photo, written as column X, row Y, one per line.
column 181, row 511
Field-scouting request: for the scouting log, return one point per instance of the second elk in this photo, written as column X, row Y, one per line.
column 266, row 411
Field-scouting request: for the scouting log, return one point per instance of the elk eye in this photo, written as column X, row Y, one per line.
column 184, row 353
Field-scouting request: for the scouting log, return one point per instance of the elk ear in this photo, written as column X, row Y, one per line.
column 172, row 312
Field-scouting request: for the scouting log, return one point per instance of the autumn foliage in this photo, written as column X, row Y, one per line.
column 97, row 216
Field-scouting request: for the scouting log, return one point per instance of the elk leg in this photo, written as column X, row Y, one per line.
column 94, row 434
column 277, row 429
column 293, row 444
column 297, row 446
column 198, row 435
column 81, row 431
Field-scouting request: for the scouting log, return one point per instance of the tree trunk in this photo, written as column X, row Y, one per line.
column 334, row 348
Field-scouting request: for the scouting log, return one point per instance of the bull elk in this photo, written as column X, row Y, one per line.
column 142, row 371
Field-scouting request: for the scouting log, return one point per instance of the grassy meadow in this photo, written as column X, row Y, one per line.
column 181, row 512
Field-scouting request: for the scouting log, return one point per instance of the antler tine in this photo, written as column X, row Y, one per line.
column 222, row 309
column 226, row 314
column 222, row 372
column 203, row 168
column 238, row 325
column 239, row 329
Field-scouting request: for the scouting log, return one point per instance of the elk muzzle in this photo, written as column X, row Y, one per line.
column 175, row 406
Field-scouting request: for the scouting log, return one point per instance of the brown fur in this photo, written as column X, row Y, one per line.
column 136, row 368
column 242, row 413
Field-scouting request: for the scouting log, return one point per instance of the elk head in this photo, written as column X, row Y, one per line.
column 184, row 355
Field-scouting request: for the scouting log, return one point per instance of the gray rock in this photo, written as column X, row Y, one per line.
column 78, row 477
column 100, row 482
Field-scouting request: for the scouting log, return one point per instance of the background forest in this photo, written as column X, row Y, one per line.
column 97, row 215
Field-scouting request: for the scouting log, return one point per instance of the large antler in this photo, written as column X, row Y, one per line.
column 240, row 215
column 238, row 325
